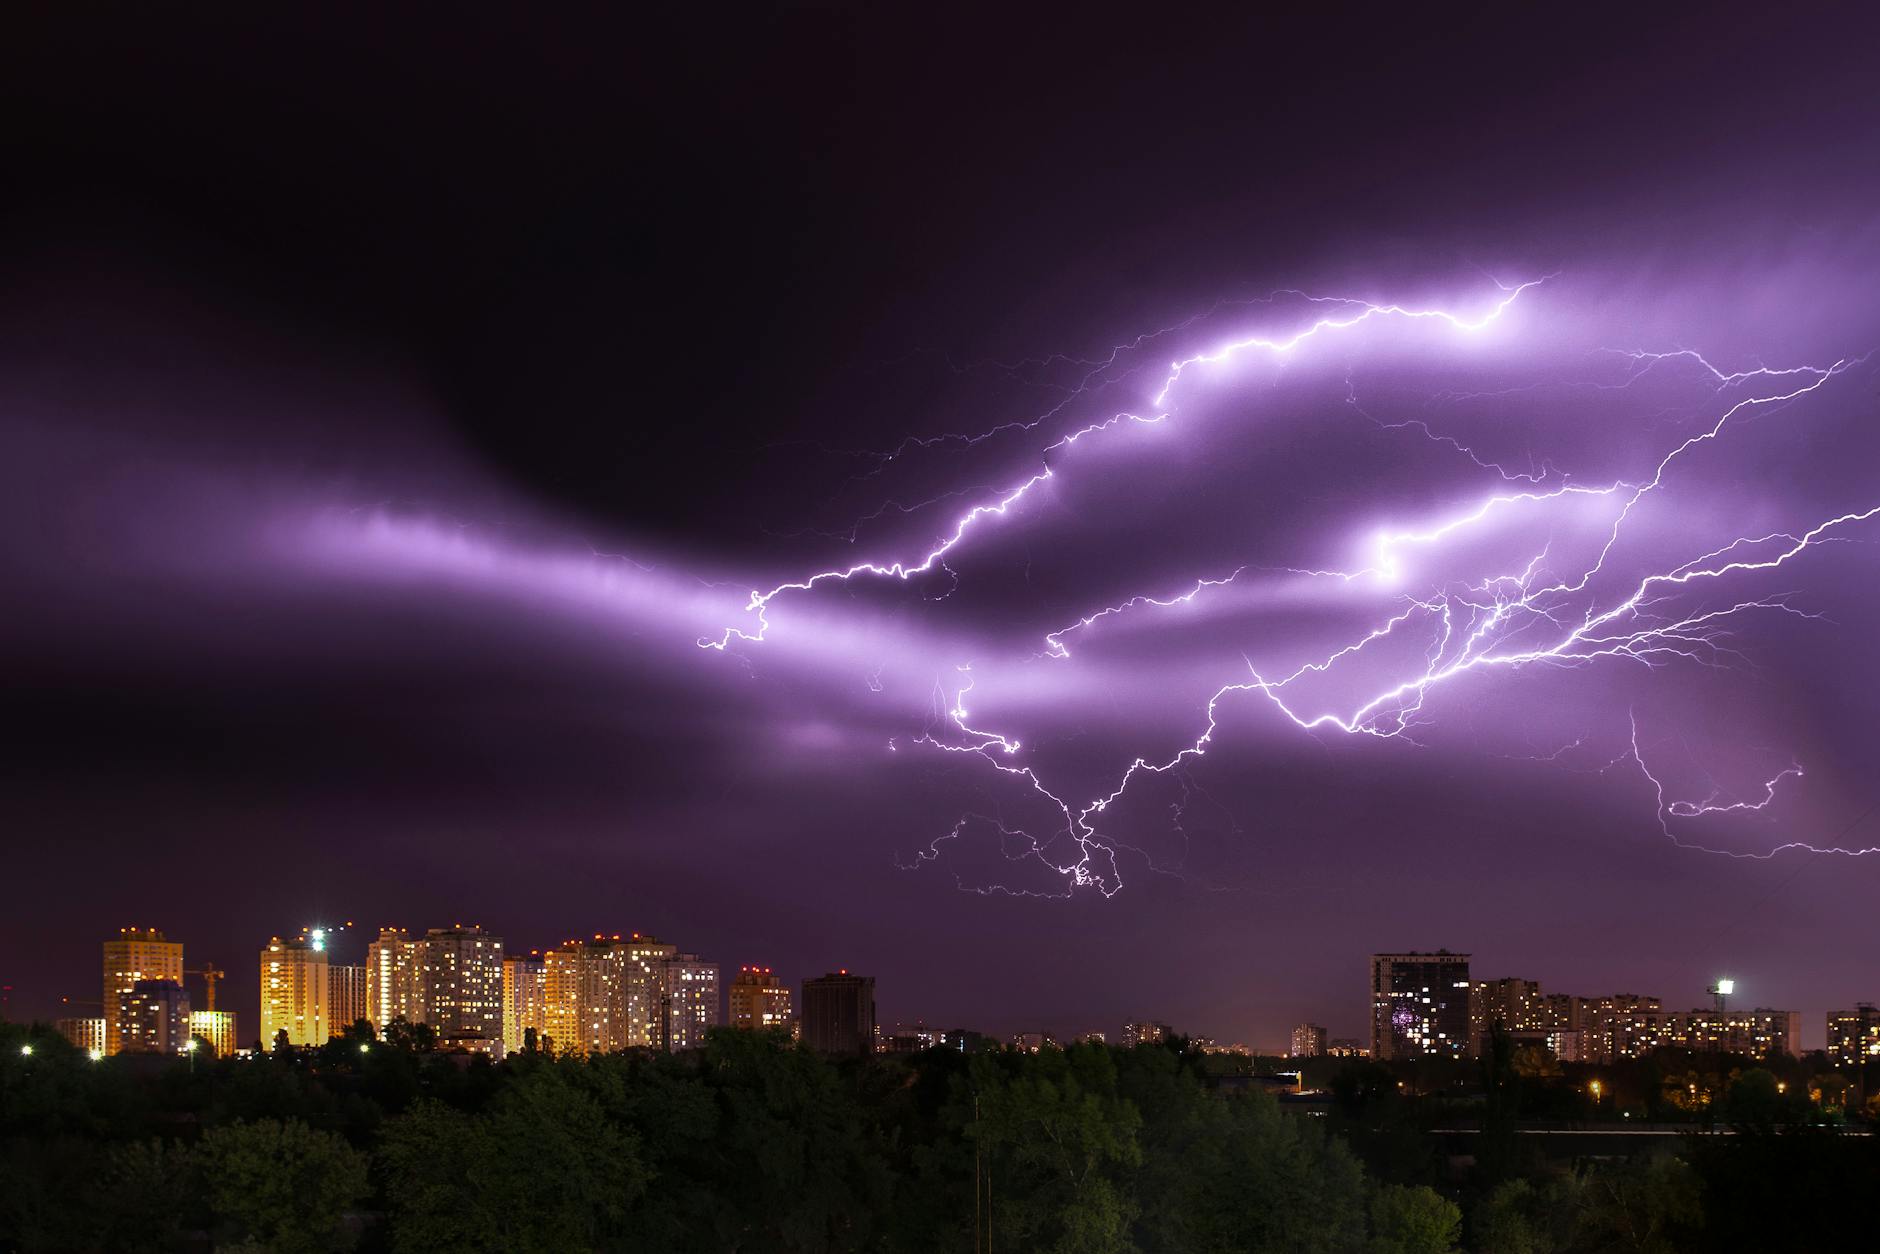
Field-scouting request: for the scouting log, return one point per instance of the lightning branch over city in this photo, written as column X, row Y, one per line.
column 1453, row 609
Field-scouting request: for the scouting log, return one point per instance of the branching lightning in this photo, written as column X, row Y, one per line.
column 1544, row 610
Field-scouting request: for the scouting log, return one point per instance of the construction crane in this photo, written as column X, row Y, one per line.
column 211, row 976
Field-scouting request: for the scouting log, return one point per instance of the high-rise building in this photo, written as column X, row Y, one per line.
column 839, row 1013
column 691, row 1001
column 138, row 953
column 525, row 1000
column 85, row 1034
column 647, row 1006
column 155, row 1018
column 585, row 996
column 294, row 988
column 1419, row 1005
column 460, row 988
column 1308, row 1041
column 1854, row 1035
column 1510, row 1004
column 1758, row 1033
column 759, row 999
column 347, row 996
column 1146, row 1032
column 1606, row 1024
column 218, row 1028
column 392, row 974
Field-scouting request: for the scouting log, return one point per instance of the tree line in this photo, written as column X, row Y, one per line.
column 755, row 1144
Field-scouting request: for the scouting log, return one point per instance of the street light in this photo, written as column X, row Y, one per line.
column 96, row 1055
column 189, row 1047
column 26, row 1051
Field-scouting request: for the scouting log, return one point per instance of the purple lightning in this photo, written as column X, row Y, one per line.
column 1544, row 610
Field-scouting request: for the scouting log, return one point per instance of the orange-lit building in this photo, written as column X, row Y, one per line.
column 138, row 953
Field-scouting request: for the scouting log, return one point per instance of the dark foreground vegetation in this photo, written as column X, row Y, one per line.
column 753, row 1145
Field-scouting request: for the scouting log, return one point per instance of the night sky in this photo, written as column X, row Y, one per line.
column 391, row 411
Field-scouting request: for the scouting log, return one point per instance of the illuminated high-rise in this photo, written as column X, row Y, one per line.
column 1145, row 1032
column 759, row 1000
column 346, row 996
column 691, row 1002
column 1509, row 1004
column 525, row 1000
column 218, row 1028
column 392, row 971
column 1420, row 1005
column 294, row 989
column 1308, row 1041
column 585, row 997
column 1854, row 1035
column 460, row 988
column 1759, row 1033
column 648, row 1005
column 155, row 1018
column 839, row 1014
column 1607, row 1025
column 138, row 953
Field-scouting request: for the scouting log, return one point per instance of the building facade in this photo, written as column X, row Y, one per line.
column 156, row 1018
column 138, row 953
column 691, row 1001
column 1854, row 1035
column 839, row 1014
column 1420, row 1005
column 393, row 963
column 1605, row 1024
column 759, row 1000
column 85, row 1034
column 294, row 989
column 1308, row 1041
column 1758, row 1033
column 1510, row 1004
column 346, row 997
column 525, row 1001
column 460, row 988
column 585, row 1004
column 1145, row 1032
column 218, row 1028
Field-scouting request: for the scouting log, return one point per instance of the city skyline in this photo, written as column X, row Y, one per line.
column 1254, row 521
column 1517, row 1002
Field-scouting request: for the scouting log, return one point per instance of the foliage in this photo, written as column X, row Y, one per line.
column 1413, row 1220
column 754, row 1144
column 281, row 1185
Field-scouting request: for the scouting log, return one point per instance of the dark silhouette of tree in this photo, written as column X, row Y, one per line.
column 542, row 1171
column 281, row 1185
column 1413, row 1220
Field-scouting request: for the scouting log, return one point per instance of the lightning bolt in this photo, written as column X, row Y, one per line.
column 1521, row 617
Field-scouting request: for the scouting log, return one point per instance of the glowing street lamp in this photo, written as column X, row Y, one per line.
column 26, row 1051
